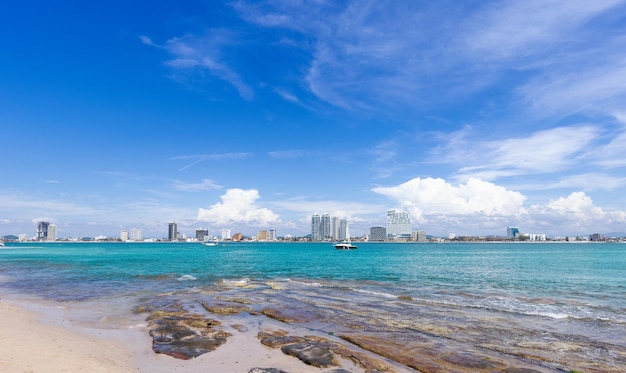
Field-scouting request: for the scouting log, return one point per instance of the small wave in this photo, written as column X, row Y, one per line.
column 186, row 278
column 305, row 283
column 376, row 293
column 241, row 282
column 552, row 315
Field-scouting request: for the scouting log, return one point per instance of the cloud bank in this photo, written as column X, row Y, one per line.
column 478, row 206
column 238, row 206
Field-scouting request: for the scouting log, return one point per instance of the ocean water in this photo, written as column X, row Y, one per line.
column 552, row 306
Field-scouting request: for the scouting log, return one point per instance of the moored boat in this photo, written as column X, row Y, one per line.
column 345, row 246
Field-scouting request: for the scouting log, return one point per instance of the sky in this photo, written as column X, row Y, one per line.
column 249, row 115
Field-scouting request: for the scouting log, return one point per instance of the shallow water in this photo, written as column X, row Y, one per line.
column 552, row 307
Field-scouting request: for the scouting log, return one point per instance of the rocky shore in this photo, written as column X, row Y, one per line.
column 362, row 339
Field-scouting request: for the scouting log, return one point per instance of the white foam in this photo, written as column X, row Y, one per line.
column 376, row 293
column 243, row 281
column 186, row 278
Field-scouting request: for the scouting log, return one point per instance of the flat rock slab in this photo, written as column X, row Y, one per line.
column 181, row 334
column 311, row 353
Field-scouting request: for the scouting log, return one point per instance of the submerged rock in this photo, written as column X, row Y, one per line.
column 225, row 309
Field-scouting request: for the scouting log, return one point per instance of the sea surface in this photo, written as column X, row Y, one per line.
column 541, row 306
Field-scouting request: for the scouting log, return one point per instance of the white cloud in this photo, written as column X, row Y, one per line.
column 576, row 213
column 481, row 207
column 585, row 181
column 197, row 158
column 286, row 95
column 518, row 28
column 238, row 206
column 205, row 184
column 551, row 150
column 612, row 154
column 295, row 153
column 429, row 197
column 204, row 53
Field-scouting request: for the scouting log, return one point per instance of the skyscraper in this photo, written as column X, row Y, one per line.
column 135, row 235
column 398, row 224
column 325, row 229
column 42, row 231
column 328, row 227
column 316, row 228
column 52, row 232
column 342, row 230
column 172, row 232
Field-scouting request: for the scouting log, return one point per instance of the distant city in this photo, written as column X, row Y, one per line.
column 324, row 227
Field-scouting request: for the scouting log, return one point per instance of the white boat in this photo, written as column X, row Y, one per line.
column 210, row 243
column 345, row 246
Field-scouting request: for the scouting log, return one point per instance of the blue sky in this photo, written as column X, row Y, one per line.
column 250, row 115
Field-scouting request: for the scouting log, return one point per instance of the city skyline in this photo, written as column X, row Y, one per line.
column 249, row 115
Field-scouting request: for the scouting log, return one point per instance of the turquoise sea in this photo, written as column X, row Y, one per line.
column 553, row 306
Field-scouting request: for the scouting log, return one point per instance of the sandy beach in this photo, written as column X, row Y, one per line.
column 31, row 345
column 41, row 337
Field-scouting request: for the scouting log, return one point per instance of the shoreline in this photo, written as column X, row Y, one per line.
column 49, row 336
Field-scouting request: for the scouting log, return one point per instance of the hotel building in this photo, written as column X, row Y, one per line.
column 398, row 225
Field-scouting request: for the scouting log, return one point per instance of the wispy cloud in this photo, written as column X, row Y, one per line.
column 203, row 157
column 205, row 184
column 286, row 95
column 545, row 151
column 295, row 153
column 204, row 53
column 375, row 55
column 506, row 30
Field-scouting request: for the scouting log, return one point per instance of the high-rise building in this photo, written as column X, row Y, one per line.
column 52, row 232
column 225, row 234
column 271, row 236
column 262, row 235
column 135, row 235
column 124, row 235
column 328, row 227
column 42, row 231
column 172, row 232
column 342, row 233
column 201, row 234
column 325, row 228
column 398, row 224
column 378, row 233
column 316, row 228
column 512, row 232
